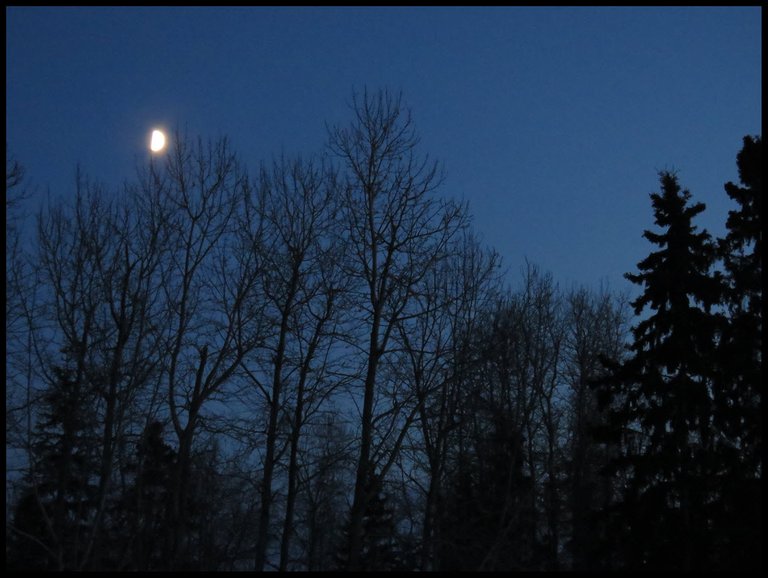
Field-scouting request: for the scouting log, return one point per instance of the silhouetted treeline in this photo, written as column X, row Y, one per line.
column 319, row 367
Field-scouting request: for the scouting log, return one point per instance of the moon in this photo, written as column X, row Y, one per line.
column 158, row 141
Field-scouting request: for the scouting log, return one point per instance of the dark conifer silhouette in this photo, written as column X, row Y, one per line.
column 148, row 499
column 52, row 521
column 661, row 407
column 739, row 388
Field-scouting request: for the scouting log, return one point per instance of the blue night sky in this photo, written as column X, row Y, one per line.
column 551, row 122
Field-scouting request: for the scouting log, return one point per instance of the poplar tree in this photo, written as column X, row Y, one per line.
column 398, row 232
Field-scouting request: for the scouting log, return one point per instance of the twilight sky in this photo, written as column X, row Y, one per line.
column 552, row 122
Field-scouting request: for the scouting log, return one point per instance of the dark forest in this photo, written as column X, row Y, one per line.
column 320, row 366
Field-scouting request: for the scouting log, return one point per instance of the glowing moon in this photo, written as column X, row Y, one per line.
column 158, row 141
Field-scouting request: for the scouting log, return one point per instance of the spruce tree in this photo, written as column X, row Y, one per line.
column 52, row 521
column 660, row 401
column 739, row 390
column 381, row 544
column 741, row 251
column 487, row 522
column 144, row 508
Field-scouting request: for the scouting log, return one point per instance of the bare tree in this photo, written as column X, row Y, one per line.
column 596, row 327
column 397, row 233
column 19, row 287
column 211, row 316
column 326, row 476
column 505, row 445
column 455, row 293
column 301, row 285
column 95, row 267
column 21, row 316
